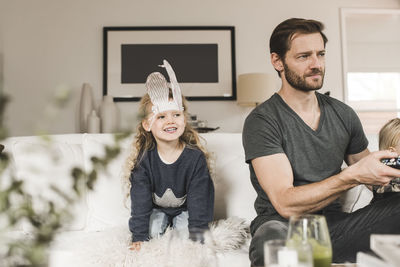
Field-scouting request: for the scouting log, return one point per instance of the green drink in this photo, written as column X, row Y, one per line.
column 322, row 256
column 322, row 262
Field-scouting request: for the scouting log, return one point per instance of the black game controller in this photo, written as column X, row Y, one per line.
column 393, row 162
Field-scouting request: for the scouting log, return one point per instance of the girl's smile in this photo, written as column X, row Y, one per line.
column 170, row 129
column 166, row 126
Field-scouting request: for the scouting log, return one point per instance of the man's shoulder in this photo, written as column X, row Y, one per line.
column 266, row 109
column 335, row 103
column 338, row 107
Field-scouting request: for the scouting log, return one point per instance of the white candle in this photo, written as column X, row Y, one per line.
column 287, row 257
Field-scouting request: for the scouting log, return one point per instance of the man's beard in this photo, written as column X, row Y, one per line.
column 299, row 82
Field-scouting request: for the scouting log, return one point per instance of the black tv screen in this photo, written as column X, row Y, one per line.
column 192, row 63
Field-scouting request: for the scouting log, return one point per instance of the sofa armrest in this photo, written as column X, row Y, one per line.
column 356, row 198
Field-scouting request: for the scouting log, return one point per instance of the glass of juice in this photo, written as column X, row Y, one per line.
column 311, row 229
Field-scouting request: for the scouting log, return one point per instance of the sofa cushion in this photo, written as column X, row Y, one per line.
column 107, row 203
column 234, row 194
column 41, row 164
column 356, row 198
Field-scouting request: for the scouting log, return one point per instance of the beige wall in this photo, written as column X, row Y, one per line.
column 48, row 44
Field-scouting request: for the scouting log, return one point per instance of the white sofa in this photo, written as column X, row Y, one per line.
column 103, row 208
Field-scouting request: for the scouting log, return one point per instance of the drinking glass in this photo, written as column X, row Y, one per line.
column 311, row 229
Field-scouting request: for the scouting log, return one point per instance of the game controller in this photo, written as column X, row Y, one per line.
column 393, row 162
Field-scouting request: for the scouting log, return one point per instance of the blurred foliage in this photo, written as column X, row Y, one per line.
column 3, row 101
column 16, row 205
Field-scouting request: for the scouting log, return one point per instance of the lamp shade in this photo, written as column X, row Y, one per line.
column 254, row 88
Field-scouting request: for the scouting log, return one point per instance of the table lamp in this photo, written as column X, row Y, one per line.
column 255, row 88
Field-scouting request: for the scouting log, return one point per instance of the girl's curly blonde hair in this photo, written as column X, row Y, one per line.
column 145, row 141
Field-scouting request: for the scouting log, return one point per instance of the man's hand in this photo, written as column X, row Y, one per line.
column 371, row 171
column 136, row 245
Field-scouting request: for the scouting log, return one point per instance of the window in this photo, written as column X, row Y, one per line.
column 375, row 96
column 371, row 68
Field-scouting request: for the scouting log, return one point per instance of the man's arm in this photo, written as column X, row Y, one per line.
column 275, row 176
column 353, row 158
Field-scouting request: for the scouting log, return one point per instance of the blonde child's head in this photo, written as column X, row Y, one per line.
column 144, row 139
column 389, row 136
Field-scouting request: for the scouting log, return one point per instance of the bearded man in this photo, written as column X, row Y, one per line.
column 295, row 144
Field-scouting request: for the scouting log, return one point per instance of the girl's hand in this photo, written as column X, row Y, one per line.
column 136, row 245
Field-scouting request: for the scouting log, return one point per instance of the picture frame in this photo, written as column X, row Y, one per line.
column 203, row 59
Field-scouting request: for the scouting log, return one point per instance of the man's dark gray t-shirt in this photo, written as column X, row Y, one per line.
column 273, row 127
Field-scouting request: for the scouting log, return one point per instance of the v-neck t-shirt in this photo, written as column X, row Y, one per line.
column 273, row 127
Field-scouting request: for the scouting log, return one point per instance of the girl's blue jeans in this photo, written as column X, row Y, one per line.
column 159, row 222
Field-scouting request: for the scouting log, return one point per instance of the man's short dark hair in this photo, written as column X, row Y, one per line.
column 281, row 37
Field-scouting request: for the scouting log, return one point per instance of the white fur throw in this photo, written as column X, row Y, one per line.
column 110, row 247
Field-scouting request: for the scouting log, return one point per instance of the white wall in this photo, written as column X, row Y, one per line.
column 48, row 44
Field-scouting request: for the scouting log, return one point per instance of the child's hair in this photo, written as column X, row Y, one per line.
column 145, row 141
column 389, row 135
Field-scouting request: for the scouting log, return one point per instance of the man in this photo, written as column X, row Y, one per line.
column 295, row 144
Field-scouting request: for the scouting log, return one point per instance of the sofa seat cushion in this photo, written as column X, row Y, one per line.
column 356, row 198
column 234, row 194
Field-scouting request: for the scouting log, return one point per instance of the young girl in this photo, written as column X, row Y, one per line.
column 389, row 139
column 170, row 181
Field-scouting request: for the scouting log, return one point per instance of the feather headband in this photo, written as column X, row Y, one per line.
column 158, row 90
